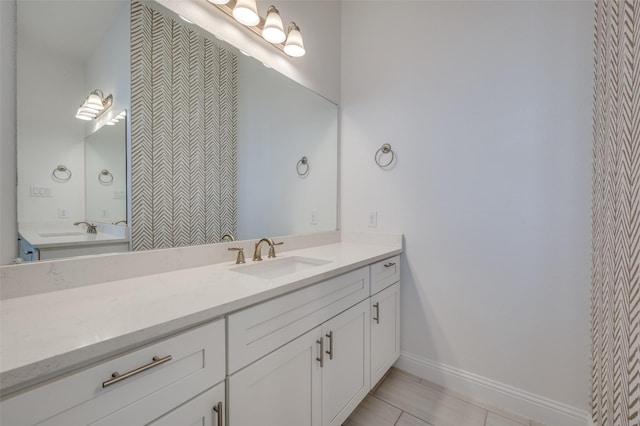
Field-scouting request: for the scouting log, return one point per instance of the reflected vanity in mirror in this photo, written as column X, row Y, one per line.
column 278, row 123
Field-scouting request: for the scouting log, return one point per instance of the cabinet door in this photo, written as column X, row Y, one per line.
column 204, row 410
column 282, row 388
column 385, row 331
column 345, row 376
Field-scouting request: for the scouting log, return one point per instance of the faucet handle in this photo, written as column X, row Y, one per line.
column 272, row 249
column 240, row 258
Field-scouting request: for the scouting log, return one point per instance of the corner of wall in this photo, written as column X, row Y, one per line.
column 8, row 197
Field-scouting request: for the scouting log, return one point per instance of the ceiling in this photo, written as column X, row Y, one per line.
column 71, row 27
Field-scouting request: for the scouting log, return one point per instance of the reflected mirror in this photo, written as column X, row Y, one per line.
column 66, row 49
column 106, row 173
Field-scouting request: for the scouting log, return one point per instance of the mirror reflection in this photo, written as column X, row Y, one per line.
column 279, row 123
column 106, row 173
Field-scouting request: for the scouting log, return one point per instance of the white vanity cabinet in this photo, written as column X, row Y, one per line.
column 282, row 388
column 345, row 371
column 385, row 316
column 315, row 379
column 153, row 381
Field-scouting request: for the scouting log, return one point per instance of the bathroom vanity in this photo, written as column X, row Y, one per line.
column 295, row 340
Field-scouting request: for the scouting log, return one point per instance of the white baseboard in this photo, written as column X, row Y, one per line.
column 493, row 393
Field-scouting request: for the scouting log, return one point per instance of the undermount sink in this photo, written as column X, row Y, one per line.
column 62, row 234
column 277, row 268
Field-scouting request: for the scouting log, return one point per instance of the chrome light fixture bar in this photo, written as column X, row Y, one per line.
column 94, row 106
column 269, row 28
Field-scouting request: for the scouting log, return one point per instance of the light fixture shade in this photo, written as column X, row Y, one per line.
column 94, row 101
column 83, row 114
column 218, row 1
column 294, row 45
column 273, row 30
column 246, row 12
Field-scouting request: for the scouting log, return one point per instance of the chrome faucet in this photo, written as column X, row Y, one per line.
column 91, row 228
column 257, row 253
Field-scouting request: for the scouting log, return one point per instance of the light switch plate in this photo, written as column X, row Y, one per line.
column 373, row 219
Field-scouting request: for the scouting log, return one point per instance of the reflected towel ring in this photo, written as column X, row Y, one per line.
column 105, row 176
column 61, row 173
column 384, row 149
column 302, row 167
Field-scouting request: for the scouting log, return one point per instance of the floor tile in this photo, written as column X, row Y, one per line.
column 409, row 420
column 427, row 404
column 494, row 419
column 373, row 412
column 404, row 373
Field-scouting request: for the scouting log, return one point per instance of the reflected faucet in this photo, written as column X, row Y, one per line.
column 227, row 237
column 257, row 253
column 119, row 222
column 91, row 228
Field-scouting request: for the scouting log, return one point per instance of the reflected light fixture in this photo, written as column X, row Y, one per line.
column 294, row 45
column 94, row 105
column 269, row 28
column 246, row 12
column 273, row 31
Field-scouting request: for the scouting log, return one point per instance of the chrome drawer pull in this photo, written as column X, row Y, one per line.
column 218, row 410
column 321, row 359
column 330, row 351
column 390, row 264
column 377, row 317
column 117, row 377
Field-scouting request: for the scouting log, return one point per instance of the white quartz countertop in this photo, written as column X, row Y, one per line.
column 48, row 334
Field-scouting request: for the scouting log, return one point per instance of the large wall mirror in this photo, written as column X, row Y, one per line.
column 77, row 171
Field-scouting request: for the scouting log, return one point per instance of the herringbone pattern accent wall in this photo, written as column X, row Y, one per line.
column 183, row 134
column 615, row 296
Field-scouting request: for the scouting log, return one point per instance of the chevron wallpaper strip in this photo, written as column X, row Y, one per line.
column 615, row 295
column 142, row 149
column 184, row 134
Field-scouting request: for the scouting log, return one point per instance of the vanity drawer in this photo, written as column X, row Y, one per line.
column 385, row 273
column 195, row 362
column 258, row 330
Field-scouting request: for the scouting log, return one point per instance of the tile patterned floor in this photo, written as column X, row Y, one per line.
column 401, row 399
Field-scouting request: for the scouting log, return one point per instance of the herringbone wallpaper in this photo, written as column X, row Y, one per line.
column 615, row 293
column 183, row 134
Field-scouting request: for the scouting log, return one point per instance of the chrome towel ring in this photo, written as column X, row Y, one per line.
column 302, row 167
column 105, row 177
column 384, row 149
column 61, row 173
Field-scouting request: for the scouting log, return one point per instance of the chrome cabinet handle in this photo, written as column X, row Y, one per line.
column 218, row 409
column 321, row 359
column 390, row 264
column 377, row 316
column 117, row 377
column 330, row 351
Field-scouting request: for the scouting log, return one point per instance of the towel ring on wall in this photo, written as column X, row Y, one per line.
column 302, row 167
column 105, row 177
column 384, row 149
column 61, row 173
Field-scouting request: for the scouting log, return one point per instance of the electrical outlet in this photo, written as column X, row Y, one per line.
column 63, row 213
column 373, row 219
column 314, row 217
column 104, row 212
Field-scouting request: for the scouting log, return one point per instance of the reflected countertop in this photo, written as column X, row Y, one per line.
column 43, row 236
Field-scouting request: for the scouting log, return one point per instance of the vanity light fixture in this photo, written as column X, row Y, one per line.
column 95, row 104
column 294, row 46
column 246, row 12
column 273, row 31
column 270, row 28
column 116, row 119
